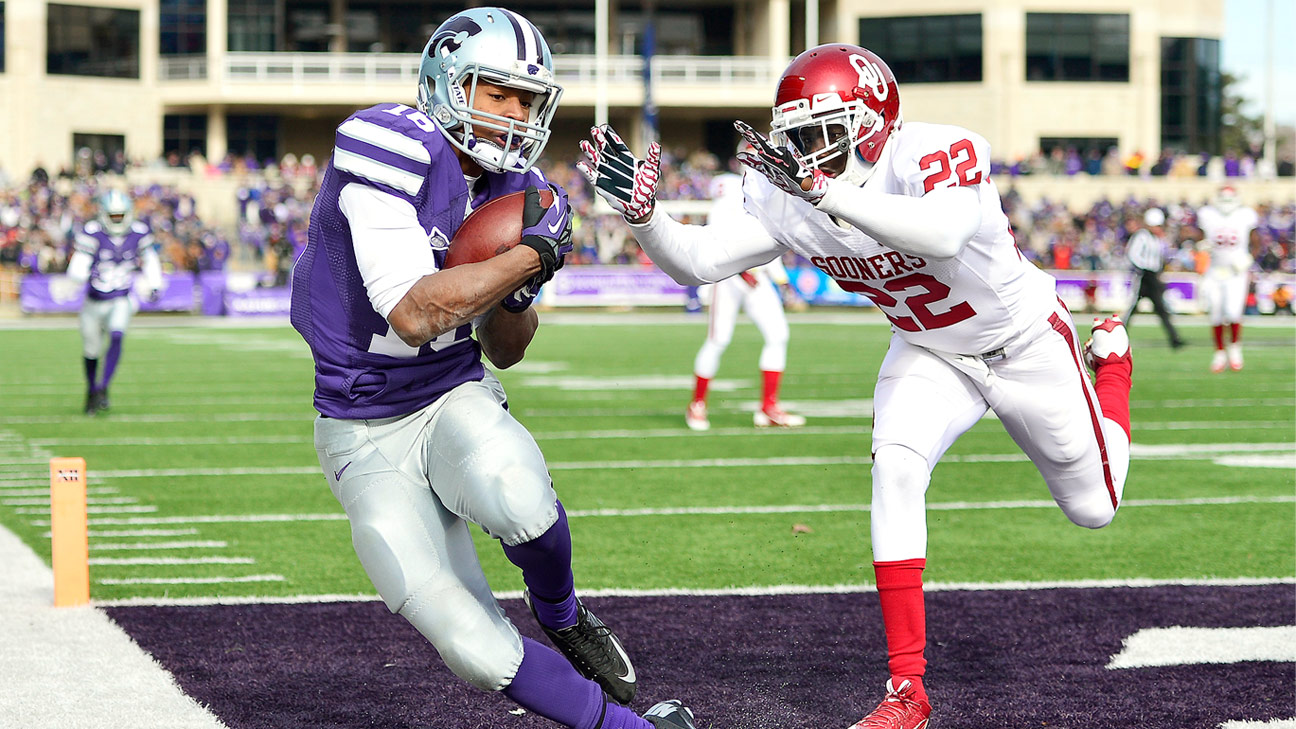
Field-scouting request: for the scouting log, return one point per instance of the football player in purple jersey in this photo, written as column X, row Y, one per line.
column 414, row 433
column 108, row 252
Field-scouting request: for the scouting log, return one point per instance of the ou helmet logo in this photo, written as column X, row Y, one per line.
column 870, row 76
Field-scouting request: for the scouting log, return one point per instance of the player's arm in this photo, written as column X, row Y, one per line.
column 690, row 254
column 401, row 276
column 151, row 266
column 84, row 247
column 937, row 225
column 693, row 255
column 938, row 215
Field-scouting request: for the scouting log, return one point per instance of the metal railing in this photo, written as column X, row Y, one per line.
column 380, row 68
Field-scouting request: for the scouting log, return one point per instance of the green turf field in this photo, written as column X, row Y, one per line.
column 204, row 482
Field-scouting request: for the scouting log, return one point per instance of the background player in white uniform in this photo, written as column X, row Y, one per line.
column 108, row 253
column 758, row 292
column 1226, row 232
column 1146, row 252
column 909, row 217
column 414, row 434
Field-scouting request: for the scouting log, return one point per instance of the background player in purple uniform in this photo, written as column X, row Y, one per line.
column 414, row 433
column 108, row 252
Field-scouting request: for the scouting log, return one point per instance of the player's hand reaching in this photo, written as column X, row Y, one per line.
column 547, row 231
column 627, row 183
column 782, row 166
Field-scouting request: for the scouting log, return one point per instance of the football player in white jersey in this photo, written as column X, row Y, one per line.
column 907, row 215
column 757, row 291
column 1226, row 227
column 108, row 252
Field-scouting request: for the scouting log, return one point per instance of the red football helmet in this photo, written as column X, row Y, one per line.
column 836, row 99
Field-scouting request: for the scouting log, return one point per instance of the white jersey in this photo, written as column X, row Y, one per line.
column 727, row 209
column 974, row 303
column 1228, row 236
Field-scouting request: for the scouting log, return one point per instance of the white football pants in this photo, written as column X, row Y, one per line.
column 1225, row 297
column 1043, row 396
column 765, row 308
column 410, row 487
column 101, row 317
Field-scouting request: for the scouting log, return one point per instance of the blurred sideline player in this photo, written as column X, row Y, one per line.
column 1226, row 227
column 1146, row 252
column 908, row 216
column 756, row 291
column 107, row 253
column 414, row 434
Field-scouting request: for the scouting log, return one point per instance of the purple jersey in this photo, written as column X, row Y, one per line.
column 114, row 258
column 362, row 368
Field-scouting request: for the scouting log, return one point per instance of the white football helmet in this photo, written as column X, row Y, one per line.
column 115, row 212
column 504, row 48
column 1226, row 201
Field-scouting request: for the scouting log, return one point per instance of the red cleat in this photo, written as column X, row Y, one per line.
column 1108, row 344
column 901, row 709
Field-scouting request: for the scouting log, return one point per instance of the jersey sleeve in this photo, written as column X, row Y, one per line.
column 85, row 241
column 937, row 156
column 385, row 147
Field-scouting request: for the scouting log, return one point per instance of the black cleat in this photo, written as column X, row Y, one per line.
column 103, row 401
column 92, row 402
column 596, row 653
column 670, row 715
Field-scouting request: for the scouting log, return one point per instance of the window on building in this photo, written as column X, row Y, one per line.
column 2, row 33
column 184, row 27
column 182, row 135
column 1077, row 47
column 1191, row 94
column 252, row 25
column 99, row 152
column 926, row 48
column 84, row 41
column 253, row 136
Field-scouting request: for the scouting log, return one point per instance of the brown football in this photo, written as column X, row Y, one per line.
column 491, row 229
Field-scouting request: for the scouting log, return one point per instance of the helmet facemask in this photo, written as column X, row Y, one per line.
column 115, row 212
column 825, row 132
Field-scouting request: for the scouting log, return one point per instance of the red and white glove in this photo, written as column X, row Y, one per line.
column 627, row 183
column 782, row 166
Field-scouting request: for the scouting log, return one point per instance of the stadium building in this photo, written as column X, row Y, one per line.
column 148, row 78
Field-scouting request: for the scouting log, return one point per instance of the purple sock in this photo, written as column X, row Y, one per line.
column 110, row 359
column 91, row 367
column 546, row 569
column 546, row 684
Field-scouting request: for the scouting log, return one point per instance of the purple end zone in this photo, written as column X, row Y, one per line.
column 995, row 659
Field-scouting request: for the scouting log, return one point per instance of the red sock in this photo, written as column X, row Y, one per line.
column 771, row 388
column 905, row 619
column 1236, row 328
column 1112, row 386
column 700, row 388
column 1219, row 336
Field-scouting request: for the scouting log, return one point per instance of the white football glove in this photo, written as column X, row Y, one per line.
column 627, row 183
column 782, row 166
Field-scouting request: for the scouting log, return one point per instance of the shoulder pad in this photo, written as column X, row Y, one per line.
column 389, row 144
column 928, row 156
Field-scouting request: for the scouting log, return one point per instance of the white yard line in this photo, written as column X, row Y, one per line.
column 73, row 667
column 761, row 591
column 677, row 511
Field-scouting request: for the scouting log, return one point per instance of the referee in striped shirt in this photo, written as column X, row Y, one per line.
column 1146, row 252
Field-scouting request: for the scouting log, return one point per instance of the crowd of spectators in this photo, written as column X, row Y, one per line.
column 1070, row 162
column 38, row 215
